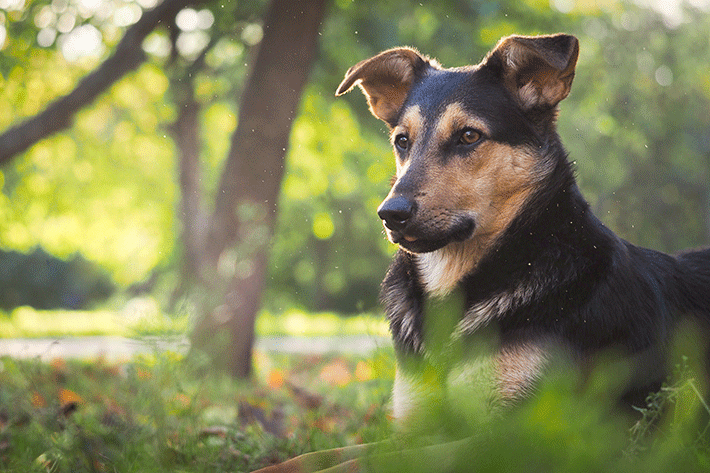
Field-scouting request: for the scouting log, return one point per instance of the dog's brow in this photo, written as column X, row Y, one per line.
column 454, row 118
column 411, row 122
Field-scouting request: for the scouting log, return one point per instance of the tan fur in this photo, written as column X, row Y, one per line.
column 513, row 371
column 454, row 119
column 518, row 367
column 491, row 185
column 411, row 124
column 385, row 101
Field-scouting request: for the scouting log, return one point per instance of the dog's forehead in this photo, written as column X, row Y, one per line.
column 464, row 97
column 438, row 87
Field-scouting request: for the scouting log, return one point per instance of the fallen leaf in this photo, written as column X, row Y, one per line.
column 336, row 373
column 38, row 400
column 67, row 396
column 276, row 379
column 59, row 364
column 60, row 370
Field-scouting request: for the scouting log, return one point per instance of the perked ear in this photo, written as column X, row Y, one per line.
column 538, row 70
column 386, row 79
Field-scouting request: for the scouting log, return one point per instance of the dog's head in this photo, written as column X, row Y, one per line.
column 469, row 142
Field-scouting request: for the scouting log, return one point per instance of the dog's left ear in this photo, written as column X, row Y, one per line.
column 386, row 79
column 538, row 70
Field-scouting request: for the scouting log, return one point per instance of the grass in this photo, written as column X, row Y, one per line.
column 163, row 413
column 166, row 413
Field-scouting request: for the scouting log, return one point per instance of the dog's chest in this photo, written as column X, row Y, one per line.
column 486, row 375
column 421, row 394
column 441, row 271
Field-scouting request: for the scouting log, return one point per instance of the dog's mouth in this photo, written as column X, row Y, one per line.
column 420, row 239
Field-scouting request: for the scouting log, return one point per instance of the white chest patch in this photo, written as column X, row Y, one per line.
column 442, row 269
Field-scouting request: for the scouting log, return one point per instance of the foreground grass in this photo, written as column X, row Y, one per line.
column 165, row 413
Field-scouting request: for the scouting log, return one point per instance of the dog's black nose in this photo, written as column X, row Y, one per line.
column 395, row 212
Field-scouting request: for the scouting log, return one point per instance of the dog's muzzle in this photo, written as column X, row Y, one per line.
column 418, row 233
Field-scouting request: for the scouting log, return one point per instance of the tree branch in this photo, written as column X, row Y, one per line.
column 58, row 115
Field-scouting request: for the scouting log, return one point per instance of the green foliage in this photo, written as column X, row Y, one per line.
column 639, row 135
column 101, row 188
column 45, row 282
column 562, row 428
column 323, row 246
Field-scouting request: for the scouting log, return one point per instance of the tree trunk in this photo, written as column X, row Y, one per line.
column 186, row 133
column 241, row 227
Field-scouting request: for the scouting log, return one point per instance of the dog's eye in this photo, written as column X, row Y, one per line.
column 401, row 142
column 470, row 136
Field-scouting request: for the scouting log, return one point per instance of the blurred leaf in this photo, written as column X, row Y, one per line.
column 66, row 396
column 336, row 373
column 38, row 400
column 276, row 379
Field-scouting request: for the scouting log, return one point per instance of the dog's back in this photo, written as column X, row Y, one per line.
column 692, row 285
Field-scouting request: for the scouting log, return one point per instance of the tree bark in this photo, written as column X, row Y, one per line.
column 186, row 133
column 245, row 205
column 58, row 115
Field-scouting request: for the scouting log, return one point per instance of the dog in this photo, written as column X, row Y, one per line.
column 502, row 267
column 485, row 206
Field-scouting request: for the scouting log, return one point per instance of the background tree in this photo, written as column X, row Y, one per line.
column 236, row 248
column 228, row 252
column 127, row 56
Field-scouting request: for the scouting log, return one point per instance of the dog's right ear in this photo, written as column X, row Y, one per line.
column 538, row 70
column 386, row 79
